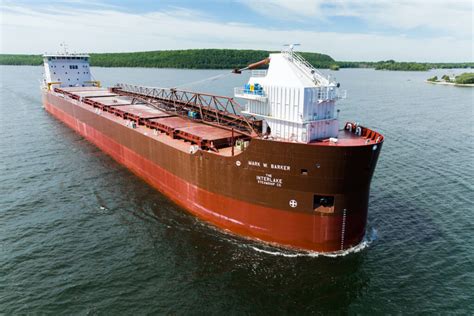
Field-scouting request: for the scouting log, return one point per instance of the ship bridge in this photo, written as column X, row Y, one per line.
column 67, row 70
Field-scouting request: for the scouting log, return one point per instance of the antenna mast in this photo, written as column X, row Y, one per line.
column 64, row 46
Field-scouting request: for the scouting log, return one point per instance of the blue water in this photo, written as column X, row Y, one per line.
column 81, row 234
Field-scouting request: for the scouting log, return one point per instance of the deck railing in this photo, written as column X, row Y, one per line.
column 306, row 67
column 249, row 92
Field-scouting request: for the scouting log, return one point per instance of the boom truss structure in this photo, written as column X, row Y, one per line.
column 210, row 109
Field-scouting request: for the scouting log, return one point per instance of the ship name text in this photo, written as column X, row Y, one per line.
column 268, row 179
column 254, row 163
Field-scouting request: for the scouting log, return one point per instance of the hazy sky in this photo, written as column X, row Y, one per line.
column 405, row 30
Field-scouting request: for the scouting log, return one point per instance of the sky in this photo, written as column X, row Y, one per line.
column 347, row 30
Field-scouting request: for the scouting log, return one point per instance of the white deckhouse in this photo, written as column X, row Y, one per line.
column 295, row 100
column 67, row 70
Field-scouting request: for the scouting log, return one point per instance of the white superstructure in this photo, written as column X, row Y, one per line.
column 295, row 101
column 67, row 70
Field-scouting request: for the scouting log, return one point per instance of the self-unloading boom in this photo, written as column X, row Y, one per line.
column 256, row 65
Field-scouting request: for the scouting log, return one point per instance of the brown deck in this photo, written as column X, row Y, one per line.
column 177, row 127
column 212, row 136
column 346, row 138
column 172, row 123
column 79, row 89
column 94, row 93
column 112, row 100
column 207, row 132
column 136, row 112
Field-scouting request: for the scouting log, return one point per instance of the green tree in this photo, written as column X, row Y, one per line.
column 465, row 78
column 446, row 78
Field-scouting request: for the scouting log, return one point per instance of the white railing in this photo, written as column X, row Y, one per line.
column 259, row 73
column 305, row 66
column 247, row 94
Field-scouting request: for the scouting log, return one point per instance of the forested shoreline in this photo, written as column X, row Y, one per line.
column 223, row 59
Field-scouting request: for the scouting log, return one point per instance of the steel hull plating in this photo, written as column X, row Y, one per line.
column 227, row 192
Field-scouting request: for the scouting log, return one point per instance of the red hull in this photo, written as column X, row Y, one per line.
column 286, row 228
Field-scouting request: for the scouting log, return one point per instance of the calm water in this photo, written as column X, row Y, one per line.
column 80, row 234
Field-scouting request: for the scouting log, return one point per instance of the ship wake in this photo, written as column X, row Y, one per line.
column 268, row 249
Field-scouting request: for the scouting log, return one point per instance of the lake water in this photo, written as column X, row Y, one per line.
column 81, row 234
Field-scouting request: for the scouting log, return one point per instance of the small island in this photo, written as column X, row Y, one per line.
column 463, row 80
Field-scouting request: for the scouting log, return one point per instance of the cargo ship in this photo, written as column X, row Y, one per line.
column 277, row 169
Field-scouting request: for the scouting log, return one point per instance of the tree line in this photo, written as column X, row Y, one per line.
column 222, row 59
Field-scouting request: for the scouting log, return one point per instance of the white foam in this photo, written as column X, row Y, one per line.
column 368, row 239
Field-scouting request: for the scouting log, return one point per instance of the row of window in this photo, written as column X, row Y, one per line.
column 71, row 66
column 69, row 57
column 85, row 72
column 59, row 80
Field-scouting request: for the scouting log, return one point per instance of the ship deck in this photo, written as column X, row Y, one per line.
column 182, row 132
column 176, row 131
column 347, row 138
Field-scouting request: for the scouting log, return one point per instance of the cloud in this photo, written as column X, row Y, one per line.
column 453, row 16
column 286, row 9
column 26, row 30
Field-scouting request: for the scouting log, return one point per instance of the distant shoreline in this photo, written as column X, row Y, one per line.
column 224, row 59
column 444, row 83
